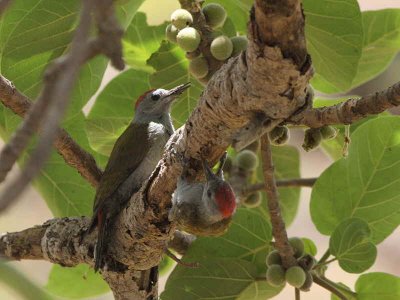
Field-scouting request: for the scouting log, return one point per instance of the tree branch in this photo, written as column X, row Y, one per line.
column 264, row 80
column 349, row 111
column 296, row 182
column 3, row 5
column 73, row 154
column 53, row 100
column 281, row 23
column 278, row 226
column 329, row 287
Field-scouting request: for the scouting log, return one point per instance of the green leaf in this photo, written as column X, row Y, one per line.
column 309, row 246
column 259, row 289
column 364, row 185
column 21, row 284
column 141, row 40
column 287, row 165
column 334, row 147
column 32, row 34
column 248, row 238
column 75, row 283
column 238, row 10
column 114, row 109
column 381, row 43
column 350, row 244
column 171, row 67
column 334, row 38
column 376, row 286
column 228, row 28
column 165, row 265
column 344, row 287
column 216, row 279
column 64, row 190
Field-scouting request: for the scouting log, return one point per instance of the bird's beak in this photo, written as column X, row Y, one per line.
column 222, row 160
column 207, row 170
column 177, row 91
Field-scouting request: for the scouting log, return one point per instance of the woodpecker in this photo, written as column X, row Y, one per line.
column 132, row 160
column 204, row 208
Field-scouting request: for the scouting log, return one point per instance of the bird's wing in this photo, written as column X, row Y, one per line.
column 129, row 151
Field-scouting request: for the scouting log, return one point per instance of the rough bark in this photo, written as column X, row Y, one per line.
column 349, row 111
column 266, row 80
column 278, row 225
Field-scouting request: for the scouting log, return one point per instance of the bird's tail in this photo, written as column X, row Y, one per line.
column 102, row 224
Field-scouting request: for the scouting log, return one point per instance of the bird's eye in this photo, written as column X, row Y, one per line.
column 155, row 97
column 209, row 193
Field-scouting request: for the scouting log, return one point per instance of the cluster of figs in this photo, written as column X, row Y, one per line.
column 189, row 38
column 297, row 276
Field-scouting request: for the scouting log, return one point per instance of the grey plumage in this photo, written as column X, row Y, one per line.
column 132, row 160
column 194, row 205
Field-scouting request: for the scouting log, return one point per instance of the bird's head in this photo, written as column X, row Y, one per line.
column 156, row 102
column 218, row 192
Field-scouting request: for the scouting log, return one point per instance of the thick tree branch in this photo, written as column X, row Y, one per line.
column 281, row 23
column 268, row 81
column 73, row 154
column 60, row 241
column 349, row 111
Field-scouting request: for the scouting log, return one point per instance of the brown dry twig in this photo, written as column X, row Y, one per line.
column 73, row 154
column 296, row 182
column 51, row 104
column 3, row 5
column 278, row 226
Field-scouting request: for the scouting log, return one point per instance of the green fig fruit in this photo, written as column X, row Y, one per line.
column 221, row 47
column 188, row 39
column 215, row 15
column 181, row 18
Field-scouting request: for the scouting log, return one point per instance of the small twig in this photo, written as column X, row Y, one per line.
column 180, row 262
column 74, row 155
column 297, row 182
column 326, row 262
column 325, row 256
column 347, row 292
column 3, row 5
column 59, row 80
column 49, row 108
column 278, row 225
column 326, row 285
column 347, row 141
column 297, row 294
column 349, row 111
